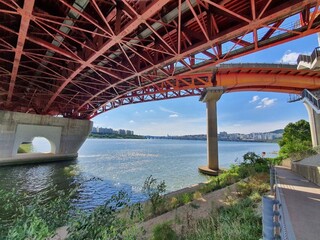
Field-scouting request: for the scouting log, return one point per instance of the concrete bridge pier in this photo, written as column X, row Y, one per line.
column 210, row 97
column 314, row 120
column 64, row 135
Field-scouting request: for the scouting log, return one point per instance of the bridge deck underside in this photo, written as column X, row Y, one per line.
column 79, row 58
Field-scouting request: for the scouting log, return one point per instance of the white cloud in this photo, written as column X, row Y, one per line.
column 149, row 111
column 173, row 115
column 167, row 110
column 131, row 121
column 290, row 57
column 266, row 102
column 254, row 99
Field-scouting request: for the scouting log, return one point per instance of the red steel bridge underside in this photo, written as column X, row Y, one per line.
column 80, row 58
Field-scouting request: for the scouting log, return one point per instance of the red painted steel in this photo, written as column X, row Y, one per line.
column 80, row 58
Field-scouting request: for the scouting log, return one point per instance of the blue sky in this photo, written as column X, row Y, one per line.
column 242, row 112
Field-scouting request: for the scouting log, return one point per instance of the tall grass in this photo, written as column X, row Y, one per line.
column 237, row 221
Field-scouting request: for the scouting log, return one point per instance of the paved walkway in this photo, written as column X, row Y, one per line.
column 302, row 202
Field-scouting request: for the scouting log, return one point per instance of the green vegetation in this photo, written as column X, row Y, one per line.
column 155, row 193
column 118, row 219
column 33, row 219
column 102, row 223
column 164, row 231
column 296, row 141
column 237, row 221
column 114, row 135
column 25, row 148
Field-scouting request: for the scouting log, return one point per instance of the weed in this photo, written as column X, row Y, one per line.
column 164, row 231
column 197, row 195
column 154, row 191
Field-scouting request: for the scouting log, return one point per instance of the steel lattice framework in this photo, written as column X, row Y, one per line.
column 79, row 58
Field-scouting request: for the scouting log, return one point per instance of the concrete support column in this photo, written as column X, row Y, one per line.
column 314, row 120
column 210, row 97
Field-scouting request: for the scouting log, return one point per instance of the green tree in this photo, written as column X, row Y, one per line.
column 296, row 138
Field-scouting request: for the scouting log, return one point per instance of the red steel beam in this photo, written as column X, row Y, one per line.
column 285, row 81
column 281, row 80
column 149, row 12
column 253, row 25
column 26, row 13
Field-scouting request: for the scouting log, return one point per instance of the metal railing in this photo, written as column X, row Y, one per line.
column 284, row 230
column 270, row 216
column 311, row 98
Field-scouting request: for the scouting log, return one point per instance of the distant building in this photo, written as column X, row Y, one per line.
column 122, row 132
column 94, row 130
column 101, row 130
column 129, row 132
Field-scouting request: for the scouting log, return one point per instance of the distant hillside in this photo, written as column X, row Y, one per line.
column 278, row 131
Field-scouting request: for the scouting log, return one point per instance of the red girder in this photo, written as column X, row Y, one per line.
column 26, row 13
column 61, row 58
column 114, row 40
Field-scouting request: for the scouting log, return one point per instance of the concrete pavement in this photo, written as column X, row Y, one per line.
column 302, row 205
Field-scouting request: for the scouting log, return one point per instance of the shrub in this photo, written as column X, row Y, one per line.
column 164, row 232
column 174, row 202
column 252, row 158
column 197, row 195
column 185, row 198
column 257, row 183
column 154, row 192
column 237, row 221
column 36, row 219
column 102, row 223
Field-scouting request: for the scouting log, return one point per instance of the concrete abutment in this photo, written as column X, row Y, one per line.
column 65, row 136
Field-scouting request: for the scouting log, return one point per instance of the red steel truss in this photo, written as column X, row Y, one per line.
column 79, row 58
column 281, row 78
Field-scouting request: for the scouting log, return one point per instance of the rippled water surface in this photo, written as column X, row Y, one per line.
column 105, row 166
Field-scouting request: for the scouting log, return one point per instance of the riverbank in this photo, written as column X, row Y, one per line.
column 114, row 136
column 241, row 199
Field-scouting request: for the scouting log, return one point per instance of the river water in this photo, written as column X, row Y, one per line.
column 105, row 166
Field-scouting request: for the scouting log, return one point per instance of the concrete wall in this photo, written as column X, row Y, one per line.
column 65, row 135
column 25, row 133
column 312, row 173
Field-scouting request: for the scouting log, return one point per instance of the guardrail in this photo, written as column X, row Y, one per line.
column 270, row 216
column 311, row 97
column 275, row 219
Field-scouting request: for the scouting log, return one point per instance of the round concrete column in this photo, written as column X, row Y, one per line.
column 212, row 135
column 314, row 120
column 211, row 96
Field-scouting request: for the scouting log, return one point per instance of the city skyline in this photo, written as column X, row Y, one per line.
column 242, row 112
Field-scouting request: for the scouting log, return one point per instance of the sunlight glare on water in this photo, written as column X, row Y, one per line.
column 105, row 166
